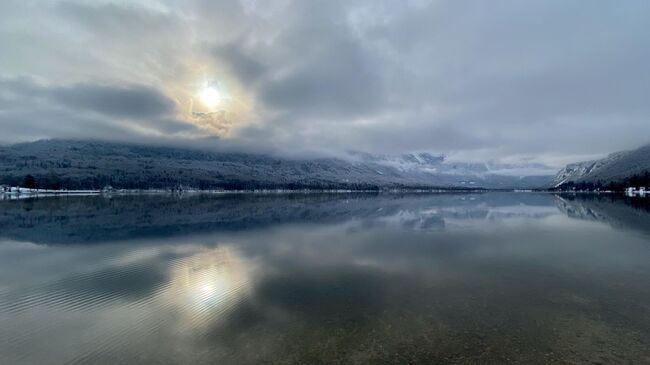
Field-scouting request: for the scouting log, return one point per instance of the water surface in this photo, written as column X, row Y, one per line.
column 325, row 279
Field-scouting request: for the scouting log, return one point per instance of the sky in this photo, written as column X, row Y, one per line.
column 543, row 81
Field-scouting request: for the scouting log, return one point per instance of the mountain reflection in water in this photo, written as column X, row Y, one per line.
column 317, row 278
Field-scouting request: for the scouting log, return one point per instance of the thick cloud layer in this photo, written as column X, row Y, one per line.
column 546, row 81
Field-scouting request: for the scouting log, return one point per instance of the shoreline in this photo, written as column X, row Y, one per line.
column 42, row 193
column 23, row 193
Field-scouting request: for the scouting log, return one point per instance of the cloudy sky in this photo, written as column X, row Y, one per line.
column 548, row 81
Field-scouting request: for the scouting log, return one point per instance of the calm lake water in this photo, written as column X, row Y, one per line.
column 325, row 279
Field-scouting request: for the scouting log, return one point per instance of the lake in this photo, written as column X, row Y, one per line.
column 325, row 279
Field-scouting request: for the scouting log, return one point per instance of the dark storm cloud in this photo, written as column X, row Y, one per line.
column 551, row 80
column 332, row 74
column 131, row 101
column 240, row 62
column 82, row 110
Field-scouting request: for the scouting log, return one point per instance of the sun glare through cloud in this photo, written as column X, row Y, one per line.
column 210, row 96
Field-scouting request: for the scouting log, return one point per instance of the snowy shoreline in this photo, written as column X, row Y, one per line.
column 25, row 193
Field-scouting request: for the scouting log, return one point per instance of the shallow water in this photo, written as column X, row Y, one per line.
column 325, row 279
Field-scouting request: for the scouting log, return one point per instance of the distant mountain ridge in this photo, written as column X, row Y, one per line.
column 427, row 162
column 75, row 164
column 616, row 167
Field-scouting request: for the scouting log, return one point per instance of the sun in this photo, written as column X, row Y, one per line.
column 216, row 104
column 210, row 96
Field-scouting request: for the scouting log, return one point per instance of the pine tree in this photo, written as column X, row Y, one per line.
column 29, row 182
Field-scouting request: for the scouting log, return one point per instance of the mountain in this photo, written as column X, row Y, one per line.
column 615, row 168
column 439, row 164
column 74, row 164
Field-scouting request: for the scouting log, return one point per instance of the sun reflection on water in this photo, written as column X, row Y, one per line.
column 206, row 286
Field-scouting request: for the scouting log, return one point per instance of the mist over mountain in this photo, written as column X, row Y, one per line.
column 440, row 164
column 91, row 164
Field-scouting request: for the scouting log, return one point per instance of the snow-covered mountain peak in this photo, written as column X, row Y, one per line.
column 432, row 163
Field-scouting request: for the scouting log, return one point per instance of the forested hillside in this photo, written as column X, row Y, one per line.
column 57, row 164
